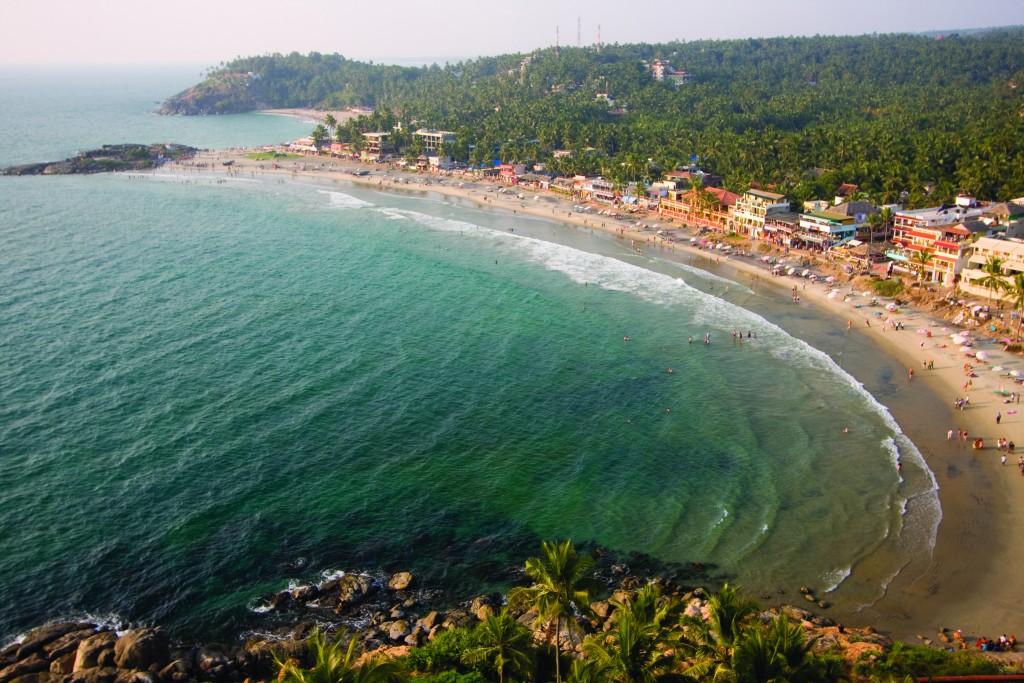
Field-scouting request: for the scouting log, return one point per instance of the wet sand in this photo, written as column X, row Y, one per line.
column 970, row 581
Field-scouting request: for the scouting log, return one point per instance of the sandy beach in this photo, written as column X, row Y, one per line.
column 969, row 583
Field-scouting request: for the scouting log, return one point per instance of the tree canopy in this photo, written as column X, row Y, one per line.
column 903, row 116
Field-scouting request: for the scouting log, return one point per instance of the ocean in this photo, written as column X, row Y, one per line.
column 214, row 388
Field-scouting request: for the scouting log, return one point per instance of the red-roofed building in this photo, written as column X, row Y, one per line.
column 709, row 207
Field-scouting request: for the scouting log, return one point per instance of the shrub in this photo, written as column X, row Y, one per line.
column 444, row 653
column 887, row 287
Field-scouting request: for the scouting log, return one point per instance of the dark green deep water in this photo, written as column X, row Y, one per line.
column 208, row 390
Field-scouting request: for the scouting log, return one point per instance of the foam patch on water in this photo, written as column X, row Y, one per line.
column 711, row 277
column 833, row 579
column 340, row 200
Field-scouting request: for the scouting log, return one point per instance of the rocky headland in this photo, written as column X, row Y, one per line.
column 218, row 94
column 124, row 157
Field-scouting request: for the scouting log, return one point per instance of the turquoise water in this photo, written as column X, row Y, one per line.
column 211, row 389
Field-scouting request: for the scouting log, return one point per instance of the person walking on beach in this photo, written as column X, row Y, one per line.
column 949, row 435
column 999, row 418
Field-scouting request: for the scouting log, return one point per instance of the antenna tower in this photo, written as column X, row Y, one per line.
column 599, row 37
column 579, row 26
column 557, row 48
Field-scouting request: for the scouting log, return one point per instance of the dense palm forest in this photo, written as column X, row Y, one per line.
column 892, row 113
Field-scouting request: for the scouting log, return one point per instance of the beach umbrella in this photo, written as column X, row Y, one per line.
column 805, row 273
column 922, row 331
column 1015, row 373
column 981, row 355
column 832, row 295
column 997, row 368
column 890, row 306
column 965, row 349
column 830, row 279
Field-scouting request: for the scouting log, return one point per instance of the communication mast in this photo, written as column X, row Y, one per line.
column 599, row 37
column 557, row 48
column 579, row 27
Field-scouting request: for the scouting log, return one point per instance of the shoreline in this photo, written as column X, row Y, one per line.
column 965, row 584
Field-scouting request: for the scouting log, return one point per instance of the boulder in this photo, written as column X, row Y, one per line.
column 400, row 581
column 67, row 643
column 305, row 593
column 142, row 648
column 37, row 638
column 354, row 588
column 601, row 608
column 428, row 622
column 42, row 677
column 63, row 665
column 398, row 630
column 89, row 650
column 210, row 656
column 105, row 674
column 33, row 664
column 135, row 676
column 484, row 606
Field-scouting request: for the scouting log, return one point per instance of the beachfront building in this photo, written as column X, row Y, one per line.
column 938, row 236
column 376, row 146
column 563, row 185
column 601, row 190
column 1009, row 251
column 752, row 208
column 431, row 140
column 709, row 208
column 825, row 229
column 781, row 229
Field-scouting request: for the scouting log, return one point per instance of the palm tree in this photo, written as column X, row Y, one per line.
column 993, row 279
column 710, row 644
column 333, row 664
column 874, row 222
column 1015, row 288
column 634, row 650
column 921, row 259
column 562, row 586
column 331, row 123
column 319, row 134
column 584, row 671
column 503, row 643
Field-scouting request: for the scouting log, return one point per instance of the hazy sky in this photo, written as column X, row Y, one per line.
column 206, row 32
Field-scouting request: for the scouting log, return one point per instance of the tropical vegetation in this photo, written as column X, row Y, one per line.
column 906, row 117
column 652, row 635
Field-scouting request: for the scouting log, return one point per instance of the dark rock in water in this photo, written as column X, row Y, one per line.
column 142, row 648
column 305, row 593
column 400, row 581
column 126, row 157
column 353, row 588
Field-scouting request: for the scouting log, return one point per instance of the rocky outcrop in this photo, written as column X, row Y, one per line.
column 218, row 94
column 126, row 157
